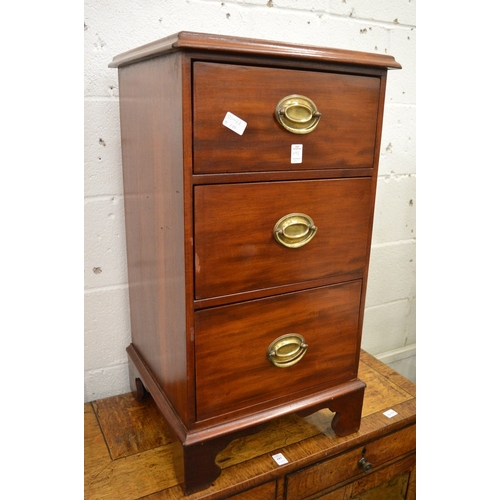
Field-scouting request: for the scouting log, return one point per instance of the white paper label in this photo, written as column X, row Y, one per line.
column 390, row 413
column 296, row 153
column 280, row 459
column 234, row 123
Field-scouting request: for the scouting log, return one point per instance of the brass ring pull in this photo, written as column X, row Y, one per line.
column 297, row 114
column 294, row 230
column 287, row 350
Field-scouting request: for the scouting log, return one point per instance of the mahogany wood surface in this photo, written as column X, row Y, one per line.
column 344, row 398
column 128, row 451
column 154, row 212
column 234, row 234
column 231, row 373
column 344, row 137
column 221, row 44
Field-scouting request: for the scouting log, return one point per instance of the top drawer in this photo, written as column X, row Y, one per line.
column 344, row 137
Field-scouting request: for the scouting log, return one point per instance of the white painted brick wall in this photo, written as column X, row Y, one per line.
column 115, row 26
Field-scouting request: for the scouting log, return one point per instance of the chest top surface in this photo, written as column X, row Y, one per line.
column 185, row 40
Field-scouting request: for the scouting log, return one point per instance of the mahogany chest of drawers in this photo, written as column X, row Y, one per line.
column 250, row 172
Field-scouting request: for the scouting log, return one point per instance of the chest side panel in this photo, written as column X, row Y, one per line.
column 151, row 128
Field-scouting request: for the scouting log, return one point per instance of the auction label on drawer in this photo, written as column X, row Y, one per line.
column 280, row 459
column 296, row 153
column 390, row 413
column 234, row 123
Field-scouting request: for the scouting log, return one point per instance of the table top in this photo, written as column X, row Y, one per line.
column 128, row 452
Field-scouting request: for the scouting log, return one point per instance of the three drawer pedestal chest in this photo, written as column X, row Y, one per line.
column 250, row 171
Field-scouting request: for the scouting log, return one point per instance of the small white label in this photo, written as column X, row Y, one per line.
column 390, row 413
column 234, row 123
column 280, row 459
column 296, row 153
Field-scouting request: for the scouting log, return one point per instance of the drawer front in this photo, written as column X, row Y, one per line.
column 235, row 246
column 394, row 481
column 314, row 479
column 395, row 487
column 263, row 492
column 344, row 137
column 232, row 366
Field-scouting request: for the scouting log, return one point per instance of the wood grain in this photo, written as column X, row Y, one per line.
column 96, row 453
column 134, row 476
column 411, row 494
column 331, row 472
column 381, row 392
column 344, row 137
column 140, row 465
column 222, row 45
column 139, row 424
column 388, row 373
column 230, row 374
column 234, row 234
column 150, row 104
column 395, row 478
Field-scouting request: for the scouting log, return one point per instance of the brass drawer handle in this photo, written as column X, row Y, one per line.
column 297, row 114
column 294, row 230
column 287, row 350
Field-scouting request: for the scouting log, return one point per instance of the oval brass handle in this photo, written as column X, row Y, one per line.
column 297, row 114
column 287, row 350
column 294, row 230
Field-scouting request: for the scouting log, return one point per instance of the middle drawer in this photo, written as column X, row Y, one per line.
column 236, row 249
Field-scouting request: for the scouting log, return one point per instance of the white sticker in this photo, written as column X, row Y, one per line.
column 390, row 413
column 234, row 123
column 296, row 153
column 280, row 459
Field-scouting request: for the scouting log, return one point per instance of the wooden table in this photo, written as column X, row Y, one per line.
column 128, row 452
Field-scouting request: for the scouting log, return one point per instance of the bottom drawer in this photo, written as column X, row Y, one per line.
column 232, row 343
column 394, row 482
column 398, row 487
column 319, row 477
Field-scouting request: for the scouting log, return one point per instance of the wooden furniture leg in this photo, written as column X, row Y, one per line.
column 137, row 387
column 195, row 464
column 347, row 408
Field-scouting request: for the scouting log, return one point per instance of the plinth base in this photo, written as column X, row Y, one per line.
column 196, row 449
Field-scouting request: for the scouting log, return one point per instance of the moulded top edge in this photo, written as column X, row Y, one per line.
column 222, row 43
